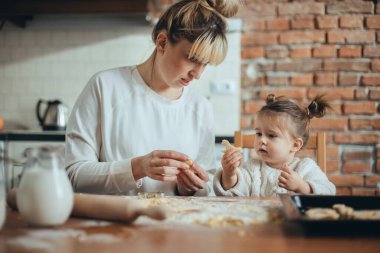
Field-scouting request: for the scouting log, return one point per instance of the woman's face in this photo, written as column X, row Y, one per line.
column 174, row 68
column 273, row 143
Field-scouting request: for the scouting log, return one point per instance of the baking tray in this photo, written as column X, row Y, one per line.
column 295, row 207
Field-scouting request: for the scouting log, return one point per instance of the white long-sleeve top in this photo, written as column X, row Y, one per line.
column 256, row 178
column 118, row 117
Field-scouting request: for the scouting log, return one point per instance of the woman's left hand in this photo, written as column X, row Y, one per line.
column 191, row 180
column 292, row 181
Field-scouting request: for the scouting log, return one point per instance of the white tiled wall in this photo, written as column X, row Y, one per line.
column 54, row 56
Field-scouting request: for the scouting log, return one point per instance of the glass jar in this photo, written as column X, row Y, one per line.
column 45, row 196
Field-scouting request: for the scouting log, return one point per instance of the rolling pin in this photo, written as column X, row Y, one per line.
column 105, row 207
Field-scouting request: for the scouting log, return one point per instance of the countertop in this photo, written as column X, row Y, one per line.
column 87, row 235
column 34, row 135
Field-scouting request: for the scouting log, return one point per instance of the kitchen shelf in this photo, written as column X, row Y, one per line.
column 20, row 11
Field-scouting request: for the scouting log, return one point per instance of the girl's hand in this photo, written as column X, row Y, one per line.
column 292, row 181
column 191, row 180
column 231, row 161
column 161, row 165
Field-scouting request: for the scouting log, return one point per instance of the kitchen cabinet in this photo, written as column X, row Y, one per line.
column 20, row 11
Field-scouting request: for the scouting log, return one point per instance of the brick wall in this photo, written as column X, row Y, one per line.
column 302, row 48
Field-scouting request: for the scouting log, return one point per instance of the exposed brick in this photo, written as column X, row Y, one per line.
column 303, row 52
column 293, row 93
column 277, row 24
column 374, row 95
column 257, row 10
column 347, row 180
column 350, row 52
column 332, row 152
column 299, row 65
column 277, row 80
column 351, row 36
column 360, row 124
column 254, row 25
column 326, row 78
column 357, row 155
column 329, row 123
column 363, row 191
column 373, row 22
column 332, row 93
column 302, row 22
column 371, row 180
column 372, row 51
column 324, row 52
column 348, row 79
column 359, row 108
column 361, row 93
column 332, row 166
column 375, row 65
column 376, row 125
column 252, row 107
column 245, row 121
column 302, row 79
column 277, row 52
column 357, row 138
column 259, row 38
column 297, row 37
column 371, row 80
column 252, row 52
column 351, row 21
column 360, row 65
column 355, row 166
column 343, row 191
column 350, row 6
column 301, row 8
column 327, row 22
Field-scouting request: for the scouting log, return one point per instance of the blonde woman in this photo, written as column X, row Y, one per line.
column 138, row 128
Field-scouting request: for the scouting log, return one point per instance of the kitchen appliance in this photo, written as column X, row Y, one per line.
column 54, row 117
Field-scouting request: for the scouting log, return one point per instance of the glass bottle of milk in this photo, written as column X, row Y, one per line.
column 45, row 196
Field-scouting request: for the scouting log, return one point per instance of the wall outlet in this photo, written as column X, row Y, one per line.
column 223, row 87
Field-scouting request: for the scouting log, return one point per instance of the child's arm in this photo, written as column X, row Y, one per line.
column 292, row 181
column 230, row 162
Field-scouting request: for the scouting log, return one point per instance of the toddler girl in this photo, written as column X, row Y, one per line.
column 282, row 129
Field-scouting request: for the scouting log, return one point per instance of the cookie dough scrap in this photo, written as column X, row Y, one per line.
column 366, row 215
column 228, row 145
column 322, row 214
column 344, row 211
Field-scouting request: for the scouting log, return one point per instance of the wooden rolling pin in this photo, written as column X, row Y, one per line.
column 105, row 207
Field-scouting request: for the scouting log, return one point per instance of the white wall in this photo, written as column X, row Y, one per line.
column 54, row 56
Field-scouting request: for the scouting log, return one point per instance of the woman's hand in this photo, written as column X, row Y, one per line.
column 292, row 181
column 162, row 165
column 230, row 162
column 191, row 180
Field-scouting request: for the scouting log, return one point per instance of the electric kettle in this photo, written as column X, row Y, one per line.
column 54, row 117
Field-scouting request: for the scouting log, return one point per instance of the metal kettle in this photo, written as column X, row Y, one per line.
column 55, row 116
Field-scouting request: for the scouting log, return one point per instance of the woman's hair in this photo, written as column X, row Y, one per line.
column 201, row 22
column 300, row 117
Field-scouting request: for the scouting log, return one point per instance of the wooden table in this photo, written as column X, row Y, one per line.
column 84, row 235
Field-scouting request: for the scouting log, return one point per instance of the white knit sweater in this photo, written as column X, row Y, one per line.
column 256, row 178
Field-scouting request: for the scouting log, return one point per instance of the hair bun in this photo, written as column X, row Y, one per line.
column 318, row 107
column 227, row 8
column 271, row 98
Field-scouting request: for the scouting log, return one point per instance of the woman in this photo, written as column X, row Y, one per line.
column 138, row 128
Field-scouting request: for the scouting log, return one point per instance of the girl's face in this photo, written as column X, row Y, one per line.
column 273, row 142
column 175, row 69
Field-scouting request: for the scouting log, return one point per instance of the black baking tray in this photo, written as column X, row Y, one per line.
column 295, row 207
